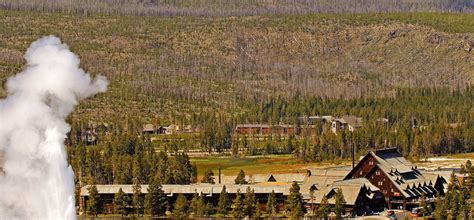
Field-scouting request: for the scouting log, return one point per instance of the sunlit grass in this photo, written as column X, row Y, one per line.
column 258, row 165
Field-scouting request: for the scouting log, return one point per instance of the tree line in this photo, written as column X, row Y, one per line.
column 130, row 159
column 421, row 123
column 155, row 203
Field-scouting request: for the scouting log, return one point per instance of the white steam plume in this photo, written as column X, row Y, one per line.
column 37, row 182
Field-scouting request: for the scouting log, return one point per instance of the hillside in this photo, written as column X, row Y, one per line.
column 234, row 7
column 165, row 68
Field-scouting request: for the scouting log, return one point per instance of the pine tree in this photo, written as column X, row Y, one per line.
column 240, row 179
column 469, row 180
column 121, row 203
column 181, row 207
column 340, row 206
column 238, row 207
column 93, row 203
column 257, row 212
column 440, row 211
column 423, row 204
column 454, row 205
column 194, row 205
column 295, row 201
column 223, row 204
column 464, row 203
column 155, row 200
column 199, row 206
column 452, row 197
column 272, row 205
column 323, row 209
column 453, row 182
column 208, row 177
column 137, row 200
column 194, row 173
column 249, row 202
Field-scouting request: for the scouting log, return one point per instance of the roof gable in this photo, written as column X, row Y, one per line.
column 402, row 174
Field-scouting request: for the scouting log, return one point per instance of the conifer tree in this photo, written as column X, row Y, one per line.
column 194, row 205
column 199, row 206
column 440, row 211
column 257, row 212
column 340, row 205
column 423, row 204
column 181, row 207
column 194, row 173
column 323, row 209
column 272, row 205
column 240, row 179
column 464, row 203
column 93, row 203
column 295, row 201
column 121, row 203
column 454, row 204
column 208, row 177
column 249, row 203
column 137, row 199
column 155, row 200
column 238, row 207
column 469, row 180
column 223, row 205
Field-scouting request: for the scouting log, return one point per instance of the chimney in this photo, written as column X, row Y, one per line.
column 220, row 174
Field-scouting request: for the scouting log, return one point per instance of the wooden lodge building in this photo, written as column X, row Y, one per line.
column 209, row 191
column 398, row 179
column 383, row 179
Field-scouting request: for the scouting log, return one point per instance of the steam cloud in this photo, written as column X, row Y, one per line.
column 37, row 182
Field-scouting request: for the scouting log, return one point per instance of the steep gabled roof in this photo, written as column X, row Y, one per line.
column 391, row 160
column 323, row 177
column 401, row 172
column 351, row 189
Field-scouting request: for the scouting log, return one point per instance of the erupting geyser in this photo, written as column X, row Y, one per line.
column 37, row 182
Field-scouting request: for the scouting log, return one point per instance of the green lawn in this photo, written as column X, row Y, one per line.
column 253, row 165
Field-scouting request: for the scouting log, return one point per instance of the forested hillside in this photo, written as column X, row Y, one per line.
column 215, row 72
column 234, row 7
column 164, row 70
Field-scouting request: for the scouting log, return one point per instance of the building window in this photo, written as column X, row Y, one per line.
column 371, row 162
column 360, row 173
column 377, row 172
column 380, row 183
column 391, row 189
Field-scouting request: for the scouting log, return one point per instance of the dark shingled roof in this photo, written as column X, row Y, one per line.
column 353, row 121
column 410, row 181
column 351, row 190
